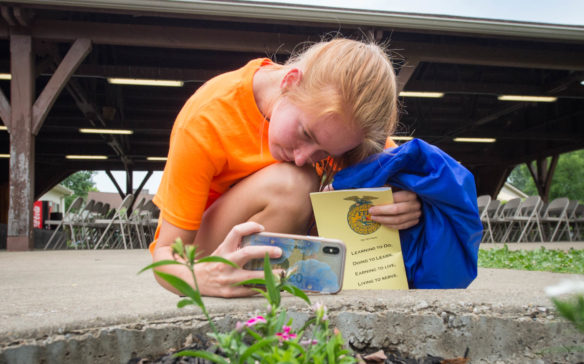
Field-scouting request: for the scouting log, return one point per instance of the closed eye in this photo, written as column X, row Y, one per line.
column 320, row 155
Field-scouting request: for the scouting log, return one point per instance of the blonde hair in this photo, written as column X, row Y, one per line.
column 351, row 80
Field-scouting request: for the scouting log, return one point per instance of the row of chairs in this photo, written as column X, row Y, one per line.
column 93, row 225
column 531, row 219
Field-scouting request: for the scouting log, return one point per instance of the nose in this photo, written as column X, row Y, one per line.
column 307, row 153
column 301, row 155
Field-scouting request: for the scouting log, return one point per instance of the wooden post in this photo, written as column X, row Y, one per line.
column 542, row 175
column 490, row 179
column 129, row 180
column 26, row 119
column 20, row 229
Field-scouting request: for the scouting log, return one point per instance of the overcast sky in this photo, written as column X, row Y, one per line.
column 541, row 11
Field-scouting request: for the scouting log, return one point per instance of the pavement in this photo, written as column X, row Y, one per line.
column 46, row 293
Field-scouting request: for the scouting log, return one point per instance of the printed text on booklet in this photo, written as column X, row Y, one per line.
column 374, row 256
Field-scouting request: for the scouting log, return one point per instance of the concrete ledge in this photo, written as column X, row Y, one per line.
column 86, row 306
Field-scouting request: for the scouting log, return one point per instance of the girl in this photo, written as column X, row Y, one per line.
column 334, row 103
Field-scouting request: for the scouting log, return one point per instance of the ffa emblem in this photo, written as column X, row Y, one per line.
column 358, row 216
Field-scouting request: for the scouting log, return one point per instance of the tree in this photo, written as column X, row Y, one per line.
column 567, row 181
column 80, row 183
column 521, row 178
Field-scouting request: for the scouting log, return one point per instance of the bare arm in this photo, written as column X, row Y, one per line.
column 214, row 279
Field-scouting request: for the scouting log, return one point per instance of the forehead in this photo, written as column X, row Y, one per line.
column 335, row 135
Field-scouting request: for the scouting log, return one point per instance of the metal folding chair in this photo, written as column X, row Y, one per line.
column 501, row 220
column 556, row 217
column 525, row 223
column 149, row 220
column 482, row 203
column 116, row 232
column 578, row 222
column 67, row 222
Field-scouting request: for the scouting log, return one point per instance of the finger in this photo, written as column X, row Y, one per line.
column 328, row 187
column 245, row 254
column 404, row 196
column 405, row 225
column 235, row 235
column 396, row 208
column 395, row 221
column 402, row 226
column 236, row 291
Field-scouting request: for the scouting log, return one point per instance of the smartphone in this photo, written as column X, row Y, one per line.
column 315, row 264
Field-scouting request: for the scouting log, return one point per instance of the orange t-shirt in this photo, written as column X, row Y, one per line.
column 218, row 138
column 389, row 143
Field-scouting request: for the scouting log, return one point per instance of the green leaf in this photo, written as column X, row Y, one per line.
column 215, row 259
column 254, row 334
column 273, row 292
column 330, row 351
column 185, row 302
column 312, row 321
column 178, row 247
column 202, row 354
column 279, row 323
column 297, row 346
column 182, row 286
column 191, row 252
column 254, row 281
column 158, row 264
column 565, row 309
column 296, row 292
column 256, row 346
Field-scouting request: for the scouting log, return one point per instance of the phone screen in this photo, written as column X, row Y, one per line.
column 313, row 264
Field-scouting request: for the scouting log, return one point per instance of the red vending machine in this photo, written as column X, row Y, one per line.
column 40, row 213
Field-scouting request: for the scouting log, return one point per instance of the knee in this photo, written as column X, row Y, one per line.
column 290, row 180
column 289, row 187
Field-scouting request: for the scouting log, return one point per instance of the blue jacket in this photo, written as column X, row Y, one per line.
column 442, row 250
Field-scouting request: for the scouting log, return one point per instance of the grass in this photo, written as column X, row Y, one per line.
column 549, row 260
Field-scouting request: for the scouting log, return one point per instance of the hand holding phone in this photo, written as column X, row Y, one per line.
column 313, row 264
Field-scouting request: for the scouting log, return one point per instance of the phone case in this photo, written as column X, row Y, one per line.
column 314, row 264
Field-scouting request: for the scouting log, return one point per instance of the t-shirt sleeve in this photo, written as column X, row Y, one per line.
column 193, row 160
column 389, row 143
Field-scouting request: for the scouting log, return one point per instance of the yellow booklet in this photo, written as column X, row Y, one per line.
column 374, row 256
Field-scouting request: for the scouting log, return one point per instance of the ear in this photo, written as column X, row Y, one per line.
column 291, row 78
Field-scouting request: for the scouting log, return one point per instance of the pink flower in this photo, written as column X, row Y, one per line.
column 255, row 320
column 286, row 335
column 321, row 311
column 309, row 342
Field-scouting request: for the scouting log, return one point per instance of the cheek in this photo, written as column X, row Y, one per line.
column 279, row 131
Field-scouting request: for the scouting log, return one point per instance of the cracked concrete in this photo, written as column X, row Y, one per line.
column 86, row 306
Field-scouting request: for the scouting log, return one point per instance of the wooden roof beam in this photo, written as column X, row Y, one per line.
column 43, row 104
column 262, row 42
column 502, row 56
column 483, row 88
column 166, row 36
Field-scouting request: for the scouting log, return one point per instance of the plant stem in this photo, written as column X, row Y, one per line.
column 203, row 308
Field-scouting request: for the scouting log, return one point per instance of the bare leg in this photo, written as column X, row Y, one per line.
column 276, row 197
